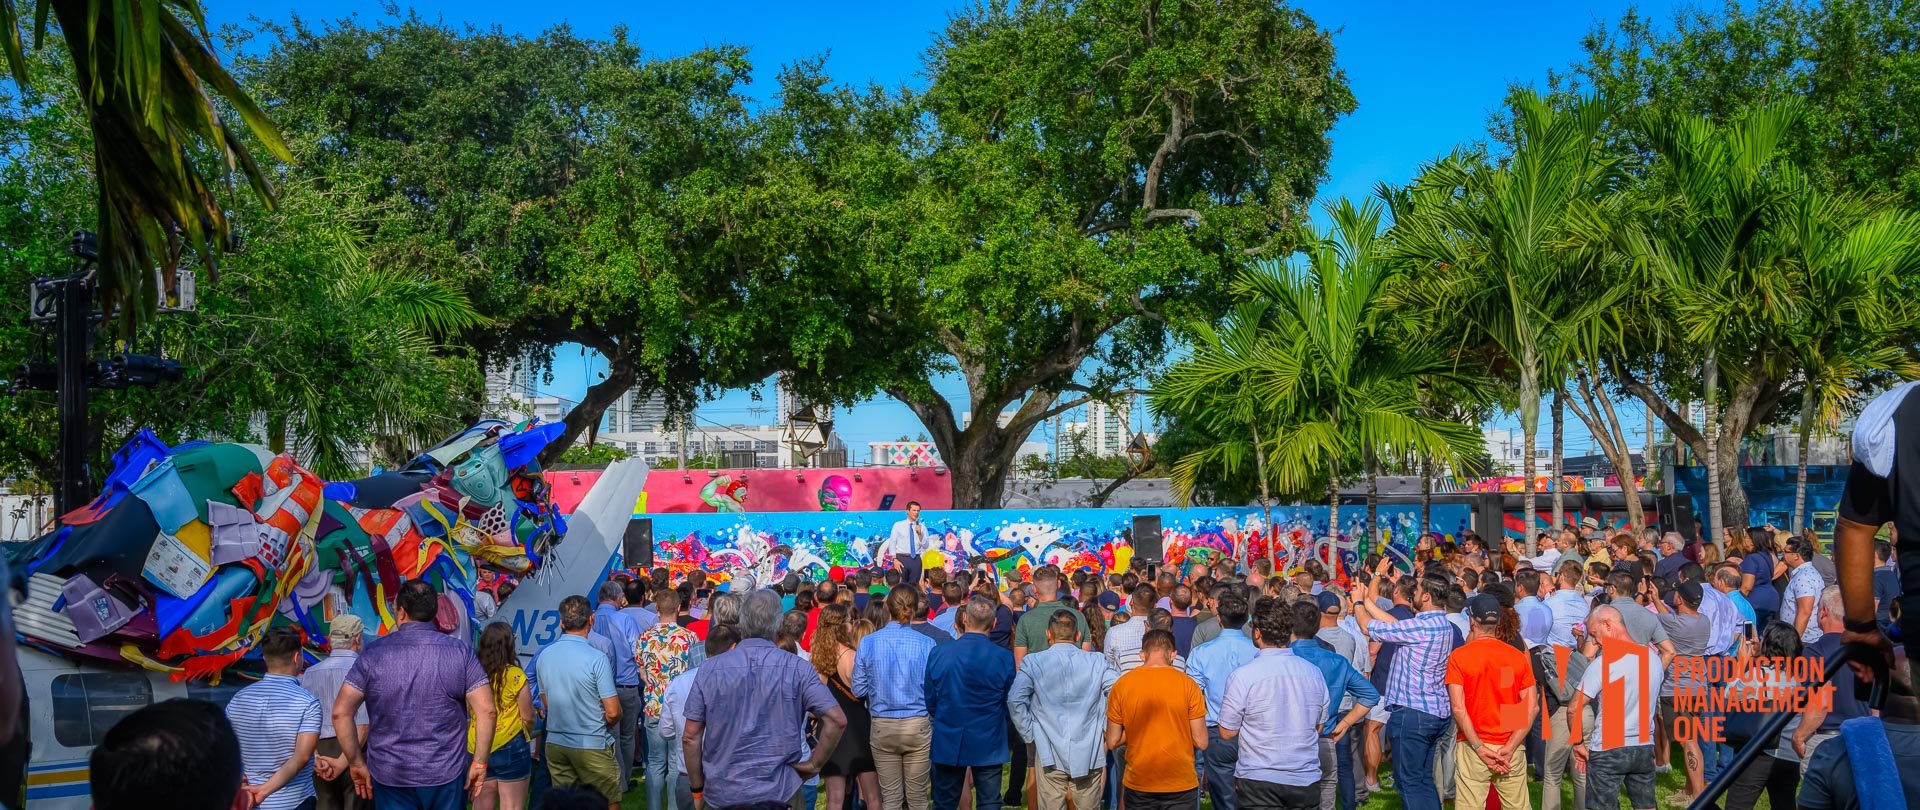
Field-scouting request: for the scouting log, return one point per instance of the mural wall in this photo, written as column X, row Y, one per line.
column 771, row 490
column 1014, row 541
column 1770, row 493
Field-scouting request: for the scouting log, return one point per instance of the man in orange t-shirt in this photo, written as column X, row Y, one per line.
column 1160, row 715
column 1491, row 684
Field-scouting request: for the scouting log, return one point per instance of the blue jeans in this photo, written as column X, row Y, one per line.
column 1414, row 735
column 1343, row 760
column 1714, row 756
column 948, row 779
column 1221, row 756
column 450, row 796
column 659, row 772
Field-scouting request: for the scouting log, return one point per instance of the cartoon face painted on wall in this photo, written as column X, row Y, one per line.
column 836, row 494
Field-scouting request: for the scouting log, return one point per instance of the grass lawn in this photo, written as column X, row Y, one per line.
column 1669, row 786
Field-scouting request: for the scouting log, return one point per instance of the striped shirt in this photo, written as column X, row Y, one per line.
column 1418, row 679
column 269, row 718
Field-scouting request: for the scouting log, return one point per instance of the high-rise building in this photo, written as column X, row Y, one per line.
column 637, row 413
column 1106, row 431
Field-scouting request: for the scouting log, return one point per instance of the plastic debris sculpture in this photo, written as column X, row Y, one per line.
column 190, row 553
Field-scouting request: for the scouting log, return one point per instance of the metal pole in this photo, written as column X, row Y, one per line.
column 74, row 324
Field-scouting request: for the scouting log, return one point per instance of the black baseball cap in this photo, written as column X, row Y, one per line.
column 1691, row 593
column 1483, row 607
column 1329, row 601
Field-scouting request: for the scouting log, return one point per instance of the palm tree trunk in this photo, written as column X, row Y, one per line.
column 1646, row 455
column 1559, row 456
column 1426, row 494
column 277, row 432
column 1333, row 509
column 1530, row 430
column 1266, row 497
column 1808, row 400
column 1373, row 497
column 1711, row 376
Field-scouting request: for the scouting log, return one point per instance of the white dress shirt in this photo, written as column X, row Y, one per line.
column 1277, row 703
column 1059, row 703
column 908, row 537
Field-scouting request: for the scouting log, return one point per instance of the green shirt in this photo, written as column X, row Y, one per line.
column 1031, row 631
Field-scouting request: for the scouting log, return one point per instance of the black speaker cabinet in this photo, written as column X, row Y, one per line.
column 637, row 545
column 1146, row 539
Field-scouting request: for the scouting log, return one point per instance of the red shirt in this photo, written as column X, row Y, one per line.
column 813, row 623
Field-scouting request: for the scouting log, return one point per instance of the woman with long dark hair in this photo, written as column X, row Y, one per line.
column 1777, row 775
column 834, row 643
column 510, row 756
column 1757, row 563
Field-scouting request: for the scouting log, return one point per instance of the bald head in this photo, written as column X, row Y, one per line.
column 1605, row 622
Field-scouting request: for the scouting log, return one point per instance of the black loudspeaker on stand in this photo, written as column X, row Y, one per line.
column 1147, row 547
column 637, row 544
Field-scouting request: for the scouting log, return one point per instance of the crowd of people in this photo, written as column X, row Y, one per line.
column 1468, row 671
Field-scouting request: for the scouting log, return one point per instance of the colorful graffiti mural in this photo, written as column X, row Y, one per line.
column 769, row 545
column 1541, row 483
column 770, row 490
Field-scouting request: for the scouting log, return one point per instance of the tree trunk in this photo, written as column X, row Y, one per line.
column 621, row 375
column 1594, row 409
column 1808, row 402
column 1559, row 458
column 1333, row 509
column 1266, row 496
column 1530, row 432
column 1426, row 496
column 1373, row 497
column 1710, row 374
column 1647, row 455
column 277, row 432
column 1752, row 402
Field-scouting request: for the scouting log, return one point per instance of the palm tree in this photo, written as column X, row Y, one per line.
column 1488, row 244
column 1713, row 249
column 149, row 82
column 1853, row 268
column 1317, row 343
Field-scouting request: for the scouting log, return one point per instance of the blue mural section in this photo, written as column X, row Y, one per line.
column 1770, row 493
column 770, row 544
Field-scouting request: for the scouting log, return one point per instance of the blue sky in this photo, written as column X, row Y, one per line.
column 1426, row 76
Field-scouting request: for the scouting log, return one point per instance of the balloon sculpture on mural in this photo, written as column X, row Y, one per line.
column 191, row 552
column 725, row 494
column 836, row 494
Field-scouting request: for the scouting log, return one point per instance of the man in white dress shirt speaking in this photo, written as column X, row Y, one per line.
column 907, row 542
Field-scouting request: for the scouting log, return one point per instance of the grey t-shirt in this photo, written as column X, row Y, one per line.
column 1829, row 782
column 1689, row 635
column 1643, row 625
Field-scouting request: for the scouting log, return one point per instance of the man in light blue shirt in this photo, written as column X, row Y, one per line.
column 620, row 631
column 1209, row 667
column 954, row 595
column 1569, row 605
column 1059, row 705
column 1350, row 696
column 576, row 687
column 1536, row 619
column 890, row 671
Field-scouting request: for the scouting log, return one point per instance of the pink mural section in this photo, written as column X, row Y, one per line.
column 864, row 489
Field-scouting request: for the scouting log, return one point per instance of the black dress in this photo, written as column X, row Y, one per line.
column 854, row 754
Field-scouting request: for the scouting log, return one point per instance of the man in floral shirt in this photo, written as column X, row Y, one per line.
column 662, row 652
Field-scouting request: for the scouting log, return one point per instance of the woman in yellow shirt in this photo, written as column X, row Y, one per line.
column 509, row 758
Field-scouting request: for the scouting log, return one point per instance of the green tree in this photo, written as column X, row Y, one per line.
column 1713, row 248
column 1087, row 172
column 299, row 343
column 578, row 190
column 1855, row 274
column 596, row 455
column 1322, row 344
column 1487, row 242
column 1847, row 62
column 148, row 81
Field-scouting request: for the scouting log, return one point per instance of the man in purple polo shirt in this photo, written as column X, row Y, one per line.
column 419, row 687
column 746, row 718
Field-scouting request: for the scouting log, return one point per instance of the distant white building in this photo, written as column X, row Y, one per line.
column 728, row 442
column 903, row 454
column 1106, row 431
column 1505, row 445
column 635, row 412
